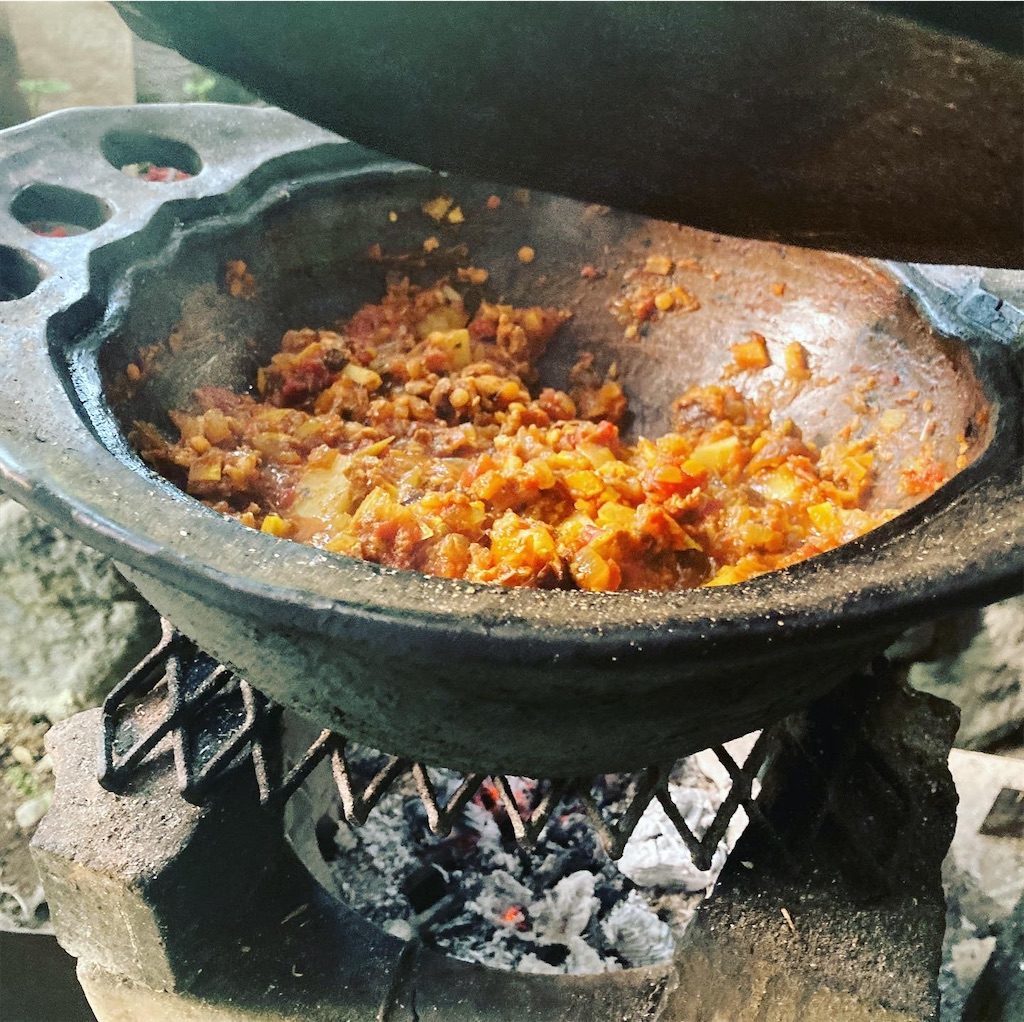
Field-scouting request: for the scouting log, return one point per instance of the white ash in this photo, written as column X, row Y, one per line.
column 641, row 937
column 564, row 907
column 657, row 855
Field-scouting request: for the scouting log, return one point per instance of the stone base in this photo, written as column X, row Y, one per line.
column 198, row 913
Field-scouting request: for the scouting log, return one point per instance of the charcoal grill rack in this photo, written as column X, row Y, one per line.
column 147, row 867
column 217, row 722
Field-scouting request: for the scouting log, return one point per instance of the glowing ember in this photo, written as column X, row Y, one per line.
column 151, row 172
column 49, row 229
column 515, row 916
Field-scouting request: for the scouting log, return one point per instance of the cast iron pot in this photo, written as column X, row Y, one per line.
column 470, row 676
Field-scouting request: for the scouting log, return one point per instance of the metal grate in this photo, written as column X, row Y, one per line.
column 216, row 723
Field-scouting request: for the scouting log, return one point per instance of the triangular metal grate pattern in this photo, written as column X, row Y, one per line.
column 183, row 693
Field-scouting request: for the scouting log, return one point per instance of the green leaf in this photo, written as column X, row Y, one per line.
column 199, row 86
column 43, row 86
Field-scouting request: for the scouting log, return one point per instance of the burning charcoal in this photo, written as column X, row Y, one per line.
column 553, row 954
column 609, row 890
column 566, row 909
column 489, row 799
column 514, row 917
column 637, row 934
column 497, row 892
column 415, row 817
column 657, row 856
column 326, row 831
column 476, row 896
column 488, row 796
column 423, row 887
column 560, row 864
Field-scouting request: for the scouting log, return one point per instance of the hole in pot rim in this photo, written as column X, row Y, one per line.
column 150, row 157
column 19, row 275
column 58, row 212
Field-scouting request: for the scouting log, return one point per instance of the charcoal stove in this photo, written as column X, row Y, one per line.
column 169, row 876
column 151, row 884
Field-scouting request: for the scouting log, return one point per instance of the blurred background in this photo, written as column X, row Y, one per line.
column 57, row 55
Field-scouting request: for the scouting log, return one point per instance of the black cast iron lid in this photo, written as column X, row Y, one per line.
column 965, row 545
column 829, row 125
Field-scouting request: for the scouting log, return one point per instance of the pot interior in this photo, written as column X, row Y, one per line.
column 875, row 361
